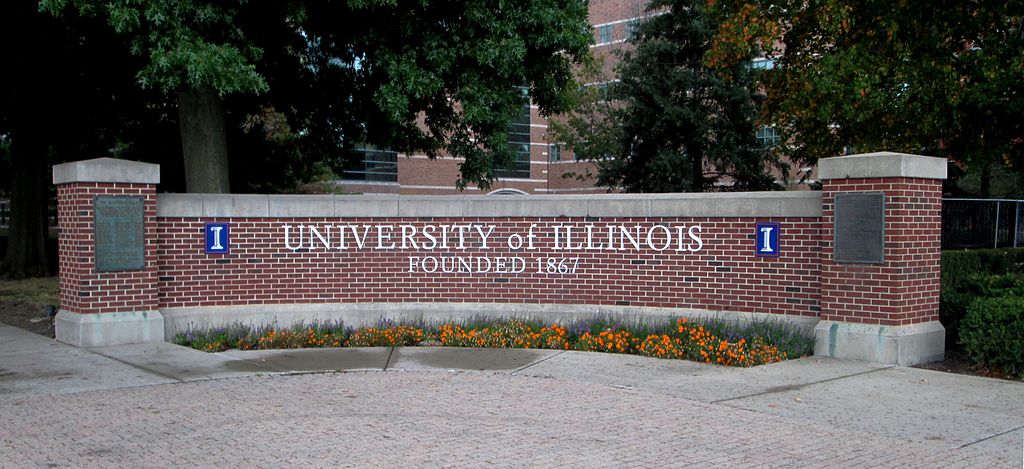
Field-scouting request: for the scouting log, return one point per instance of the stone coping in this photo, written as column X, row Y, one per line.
column 728, row 205
column 106, row 170
column 882, row 164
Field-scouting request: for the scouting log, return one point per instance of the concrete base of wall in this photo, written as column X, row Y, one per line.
column 367, row 314
column 98, row 330
column 895, row 345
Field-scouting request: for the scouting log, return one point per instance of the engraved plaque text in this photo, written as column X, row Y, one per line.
column 860, row 228
column 119, row 223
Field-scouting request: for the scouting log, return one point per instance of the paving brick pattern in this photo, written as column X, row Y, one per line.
column 428, row 419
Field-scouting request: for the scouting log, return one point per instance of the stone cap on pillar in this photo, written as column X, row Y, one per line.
column 106, row 170
column 880, row 165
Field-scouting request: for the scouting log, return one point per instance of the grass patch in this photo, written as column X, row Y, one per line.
column 720, row 342
column 37, row 292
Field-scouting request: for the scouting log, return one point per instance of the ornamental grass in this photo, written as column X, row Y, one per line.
column 707, row 342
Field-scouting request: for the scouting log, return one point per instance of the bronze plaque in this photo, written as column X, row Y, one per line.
column 860, row 228
column 119, row 228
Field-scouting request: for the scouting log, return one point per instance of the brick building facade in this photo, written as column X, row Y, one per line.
column 542, row 167
column 548, row 170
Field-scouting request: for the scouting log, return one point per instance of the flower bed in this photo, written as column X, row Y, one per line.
column 716, row 343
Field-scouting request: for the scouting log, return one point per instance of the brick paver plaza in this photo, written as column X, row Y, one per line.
column 434, row 418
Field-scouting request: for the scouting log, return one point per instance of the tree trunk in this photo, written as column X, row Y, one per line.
column 697, row 169
column 985, row 180
column 33, row 68
column 203, row 141
column 26, row 237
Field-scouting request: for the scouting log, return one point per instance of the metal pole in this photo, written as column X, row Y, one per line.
column 1016, row 223
column 995, row 239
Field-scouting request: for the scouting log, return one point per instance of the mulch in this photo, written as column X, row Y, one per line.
column 26, row 316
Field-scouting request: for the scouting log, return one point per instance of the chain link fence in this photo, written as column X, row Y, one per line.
column 982, row 223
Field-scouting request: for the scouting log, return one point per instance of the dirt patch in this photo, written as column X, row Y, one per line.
column 23, row 304
column 27, row 316
column 956, row 361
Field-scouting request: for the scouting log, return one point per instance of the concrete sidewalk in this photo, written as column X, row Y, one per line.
column 907, row 416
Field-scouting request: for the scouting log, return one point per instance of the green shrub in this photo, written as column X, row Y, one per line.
column 980, row 273
column 958, row 265
column 992, row 334
column 955, row 300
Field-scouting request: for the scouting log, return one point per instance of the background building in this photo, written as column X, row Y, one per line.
column 541, row 166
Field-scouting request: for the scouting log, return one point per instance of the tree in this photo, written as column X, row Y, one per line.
column 413, row 76
column 677, row 124
column 193, row 50
column 446, row 79
column 590, row 130
column 295, row 83
column 55, row 104
column 943, row 78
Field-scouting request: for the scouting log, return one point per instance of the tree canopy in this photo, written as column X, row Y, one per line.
column 429, row 77
column 671, row 123
column 942, row 78
column 65, row 94
column 293, row 85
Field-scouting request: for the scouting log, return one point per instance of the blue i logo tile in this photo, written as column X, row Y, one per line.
column 217, row 238
column 767, row 239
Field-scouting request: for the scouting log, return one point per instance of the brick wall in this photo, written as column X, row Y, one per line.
column 607, row 11
column 82, row 289
column 905, row 289
column 723, row 275
column 885, row 312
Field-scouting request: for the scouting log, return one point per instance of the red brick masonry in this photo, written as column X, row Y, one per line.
column 82, row 289
column 675, row 251
column 357, row 258
column 723, row 275
column 904, row 290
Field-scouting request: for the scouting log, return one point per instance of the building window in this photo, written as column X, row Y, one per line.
column 603, row 90
column 554, row 152
column 762, row 64
column 519, row 143
column 605, row 33
column 372, row 165
column 767, row 136
column 631, row 28
column 508, row 191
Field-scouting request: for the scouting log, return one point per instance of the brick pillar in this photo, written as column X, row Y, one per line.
column 883, row 311
column 108, row 299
